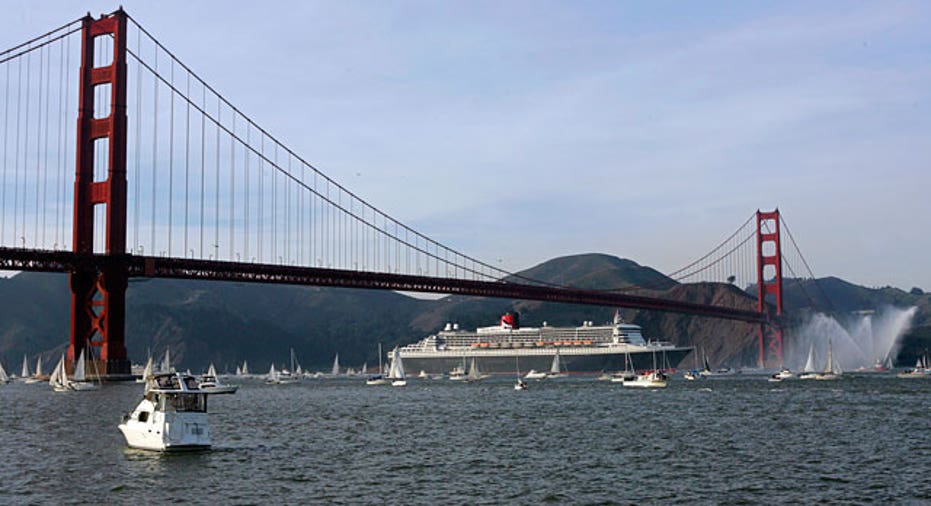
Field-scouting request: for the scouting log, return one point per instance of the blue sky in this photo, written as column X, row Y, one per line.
column 520, row 131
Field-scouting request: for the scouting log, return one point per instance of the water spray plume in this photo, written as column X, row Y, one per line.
column 861, row 341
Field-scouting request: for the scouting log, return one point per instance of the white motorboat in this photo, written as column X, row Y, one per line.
column 533, row 374
column 556, row 368
column 210, row 383
column 172, row 415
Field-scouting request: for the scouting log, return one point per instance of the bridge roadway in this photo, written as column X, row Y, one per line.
column 19, row 259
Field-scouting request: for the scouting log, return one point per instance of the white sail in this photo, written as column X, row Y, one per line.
column 810, row 363
column 245, row 367
column 238, row 371
column 554, row 368
column 212, row 371
column 3, row 376
column 831, row 366
column 365, row 367
column 25, row 372
column 396, row 371
column 474, row 373
column 39, row 366
column 79, row 368
column 335, row 370
column 273, row 374
column 166, row 362
column 149, row 365
column 58, row 379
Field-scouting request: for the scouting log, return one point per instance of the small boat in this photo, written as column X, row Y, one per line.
column 166, row 362
column 784, row 373
column 920, row 371
column 4, row 378
column 649, row 379
column 78, row 382
column 831, row 370
column 38, row 376
column 210, row 383
column 172, row 415
column 628, row 374
column 533, row 374
column 459, row 372
column 396, row 370
column 691, row 375
column 808, row 372
column 423, row 374
column 556, row 369
column 147, row 370
column 474, row 374
column 377, row 379
column 521, row 384
column 59, row 379
column 273, row 377
column 24, row 373
column 335, row 369
column 244, row 370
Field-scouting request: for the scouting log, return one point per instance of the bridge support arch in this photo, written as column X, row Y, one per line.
column 98, row 294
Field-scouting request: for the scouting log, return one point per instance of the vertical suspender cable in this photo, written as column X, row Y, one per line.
column 203, row 162
column 45, row 145
column 152, row 250
column 6, row 134
column 216, row 195
column 187, row 162
column 137, row 182
column 171, row 152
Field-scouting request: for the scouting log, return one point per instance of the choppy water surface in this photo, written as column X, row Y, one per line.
column 724, row 440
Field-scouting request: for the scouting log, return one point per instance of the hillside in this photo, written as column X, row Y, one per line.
column 228, row 322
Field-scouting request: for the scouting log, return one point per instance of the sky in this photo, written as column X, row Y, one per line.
column 520, row 131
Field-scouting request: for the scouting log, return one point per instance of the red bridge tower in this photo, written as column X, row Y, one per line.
column 98, row 294
column 769, row 282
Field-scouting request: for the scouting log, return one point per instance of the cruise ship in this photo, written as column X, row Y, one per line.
column 505, row 347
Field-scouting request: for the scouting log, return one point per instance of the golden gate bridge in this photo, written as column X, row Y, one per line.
column 172, row 180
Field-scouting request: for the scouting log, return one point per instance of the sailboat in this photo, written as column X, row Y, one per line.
column 650, row 379
column 335, row 370
column 628, row 374
column 24, row 373
column 831, row 369
column 245, row 368
column 166, row 362
column 377, row 379
column 809, row 370
column 459, row 372
column 474, row 373
column 4, row 378
column 273, row 378
column 59, row 379
column 521, row 384
column 920, row 370
column 38, row 375
column 556, row 369
column 210, row 383
column 396, row 370
column 79, row 381
column 147, row 371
